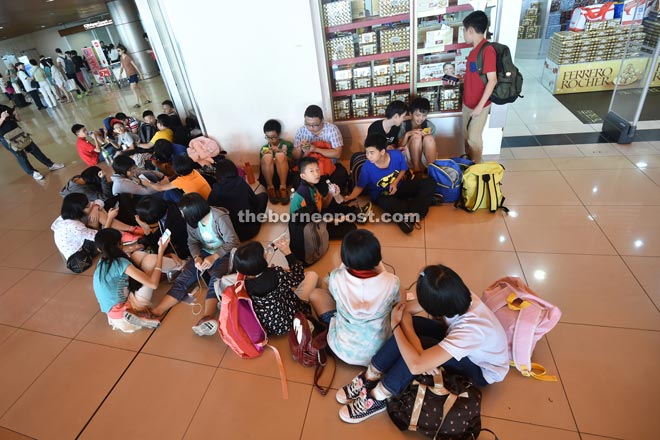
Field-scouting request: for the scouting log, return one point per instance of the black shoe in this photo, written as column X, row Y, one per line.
column 406, row 227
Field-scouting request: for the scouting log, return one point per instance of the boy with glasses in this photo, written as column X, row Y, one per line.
column 275, row 156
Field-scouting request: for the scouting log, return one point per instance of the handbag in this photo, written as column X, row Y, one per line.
column 18, row 139
column 83, row 259
column 34, row 84
column 308, row 340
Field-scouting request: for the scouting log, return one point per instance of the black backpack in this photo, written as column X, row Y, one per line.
column 509, row 79
column 69, row 67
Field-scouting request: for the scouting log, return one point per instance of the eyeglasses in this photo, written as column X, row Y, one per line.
column 270, row 138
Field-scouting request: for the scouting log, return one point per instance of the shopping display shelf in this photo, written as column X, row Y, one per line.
column 367, row 22
column 443, row 11
column 446, row 48
column 366, row 90
column 375, row 57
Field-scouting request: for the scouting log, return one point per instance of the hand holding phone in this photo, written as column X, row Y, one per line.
column 166, row 236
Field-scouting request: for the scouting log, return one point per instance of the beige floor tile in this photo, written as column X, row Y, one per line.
column 578, row 348
column 34, row 252
column 323, row 422
column 492, row 265
column 451, row 228
column 515, row 164
column 593, row 437
column 562, row 151
column 250, row 395
column 538, row 188
column 61, row 401
column 177, row 387
column 646, row 270
column 12, row 242
column 637, row 148
column 5, row 332
column 599, row 150
column 42, row 220
column 529, row 153
column 556, row 229
column 653, row 174
column 67, row 312
column 10, row 276
column 510, row 430
column 575, row 283
column 593, row 163
column 389, row 234
column 23, row 357
column 56, row 263
column 6, row 434
column 646, row 161
column 632, row 229
column 99, row 332
column 175, row 338
column 330, row 261
column 28, row 295
column 621, row 187
column 527, row 400
column 407, row 262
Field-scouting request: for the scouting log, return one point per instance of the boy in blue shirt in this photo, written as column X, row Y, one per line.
column 386, row 178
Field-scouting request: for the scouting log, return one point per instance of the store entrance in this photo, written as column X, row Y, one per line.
column 570, row 52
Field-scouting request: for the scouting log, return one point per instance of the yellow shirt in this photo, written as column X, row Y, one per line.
column 193, row 182
column 167, row 134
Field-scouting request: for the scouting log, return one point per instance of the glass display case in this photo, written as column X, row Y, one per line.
column 383, row 50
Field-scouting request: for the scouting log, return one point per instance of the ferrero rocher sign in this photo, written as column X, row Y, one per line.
column 594, row 76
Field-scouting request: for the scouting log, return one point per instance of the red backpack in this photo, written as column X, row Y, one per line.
column 241, row 330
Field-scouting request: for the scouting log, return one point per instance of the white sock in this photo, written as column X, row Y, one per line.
column 380, row 392
column 372, row 373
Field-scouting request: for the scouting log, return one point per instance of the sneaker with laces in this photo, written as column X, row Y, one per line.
column 206, row 328
column 351, row 391
column 362, row 408
column 36, row 175
column 406, row 227
column 141, row 318
column 56, row 166
column 364, row 211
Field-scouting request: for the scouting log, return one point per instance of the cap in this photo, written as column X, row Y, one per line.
column 133, row 124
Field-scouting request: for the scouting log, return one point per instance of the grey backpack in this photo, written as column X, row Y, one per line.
column 317, row 241
column 509, row 79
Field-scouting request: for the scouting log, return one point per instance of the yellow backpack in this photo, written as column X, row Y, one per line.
column 481, row 187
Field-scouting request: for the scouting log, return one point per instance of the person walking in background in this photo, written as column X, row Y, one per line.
column 132, row 73
column 46, row 89
column 27, row 85
column 59, row 81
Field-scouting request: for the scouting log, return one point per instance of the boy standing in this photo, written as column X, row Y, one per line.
column 476, row 94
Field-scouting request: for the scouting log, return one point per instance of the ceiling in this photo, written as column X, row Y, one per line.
column 19, row 17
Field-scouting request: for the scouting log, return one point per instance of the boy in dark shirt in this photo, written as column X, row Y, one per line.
column 389, row 127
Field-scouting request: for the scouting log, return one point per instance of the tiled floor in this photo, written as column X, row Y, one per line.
column 584, row 231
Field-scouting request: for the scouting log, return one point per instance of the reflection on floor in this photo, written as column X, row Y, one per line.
column 583, row 232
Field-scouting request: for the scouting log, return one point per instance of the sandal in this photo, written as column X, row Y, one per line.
column 273, row 198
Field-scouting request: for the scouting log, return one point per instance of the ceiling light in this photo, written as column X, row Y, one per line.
column 2, row 27
column 43, row 26
column 48, row 1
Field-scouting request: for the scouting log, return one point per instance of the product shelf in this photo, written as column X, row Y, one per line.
column 366, row 90
column 446, row 48
column 447, row 10
column 367, row 23
column 375, row 57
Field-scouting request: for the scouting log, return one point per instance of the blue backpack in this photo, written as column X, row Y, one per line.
column 448, row 178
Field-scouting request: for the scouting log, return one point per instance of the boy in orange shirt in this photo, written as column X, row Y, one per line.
column 188, row 179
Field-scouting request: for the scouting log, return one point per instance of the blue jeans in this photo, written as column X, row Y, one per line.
column 397, row 376
column 188, row 277
column 21, row 156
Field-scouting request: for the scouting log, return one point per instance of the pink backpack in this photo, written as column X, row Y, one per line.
column 241, row 330
column 202, row 150
column 525, row 318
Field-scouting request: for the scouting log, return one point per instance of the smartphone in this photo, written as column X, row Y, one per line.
column 117, row 205
column 143, row 177
column 450, row 78
column 166, row 234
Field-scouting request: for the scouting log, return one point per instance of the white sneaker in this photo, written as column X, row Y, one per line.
column 206, row 328
column 56, row 166
column 37, row 176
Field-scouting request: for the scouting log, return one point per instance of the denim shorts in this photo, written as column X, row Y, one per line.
column 133, row 79
column 327, row 316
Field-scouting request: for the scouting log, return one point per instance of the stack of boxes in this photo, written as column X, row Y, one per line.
column 361, row 77
column 342, row 108
column 395, row 39
column 367, row 44
column 651, row 30
column 388, row 8
column 529, row 29
column 343, row 79
column 431, row 95
column 601, row 41
column 381, row 100
column 401, row 72
column 337, row 13
column 361, row 106
column 341, row 47
column 382, row 73
column 449, row 98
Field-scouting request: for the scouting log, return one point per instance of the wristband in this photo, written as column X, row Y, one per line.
column 158, row 269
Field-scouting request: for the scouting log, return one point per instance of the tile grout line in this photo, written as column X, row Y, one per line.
column 309, row 402
column 192, row 417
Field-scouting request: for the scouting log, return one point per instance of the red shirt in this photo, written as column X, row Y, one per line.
column 474, row 87
column 86, row 152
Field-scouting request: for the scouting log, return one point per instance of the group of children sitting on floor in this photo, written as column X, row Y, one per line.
column 162, row 215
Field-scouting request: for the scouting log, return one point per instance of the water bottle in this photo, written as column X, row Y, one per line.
column 334, row 190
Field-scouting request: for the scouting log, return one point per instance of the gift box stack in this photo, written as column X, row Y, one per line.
column 395, row 39
column 341, row 47
column 382, row 75
column 530, row 23
column 601, row 41
column 343, row 79
column 401, row 96
column 381, row 101
column 361, row 77
column 361, row 106
column 367, row 44
column 449, row 98
column 401, row 72
column 337, row 13
column 651, row 30
column 431, row 95
column 393, row 7
column 342, row 108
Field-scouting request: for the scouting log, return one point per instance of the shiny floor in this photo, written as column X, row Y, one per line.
column 583, row 231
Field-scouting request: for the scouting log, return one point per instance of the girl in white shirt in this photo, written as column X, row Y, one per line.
column 461, row 334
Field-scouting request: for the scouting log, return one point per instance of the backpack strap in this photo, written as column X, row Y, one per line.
column 318, row 371
column 523, row 339
column 280, row 366
column 480, row 62
column 481, row 193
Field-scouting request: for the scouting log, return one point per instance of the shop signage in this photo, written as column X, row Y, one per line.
column 593, row 76
column 97, row 24
column 84, row 27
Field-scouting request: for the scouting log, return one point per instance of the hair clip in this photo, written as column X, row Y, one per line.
column 422, row 274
